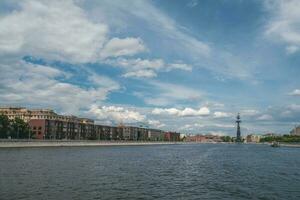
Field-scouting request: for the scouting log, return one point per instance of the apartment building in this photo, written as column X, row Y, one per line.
column 46, row 124
column 295, row 131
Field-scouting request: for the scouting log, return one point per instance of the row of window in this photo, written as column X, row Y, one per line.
column 39, row 128
column 37, row 132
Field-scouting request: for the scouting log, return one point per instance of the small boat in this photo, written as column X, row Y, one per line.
column 275, row 144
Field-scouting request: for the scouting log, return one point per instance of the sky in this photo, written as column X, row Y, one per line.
column 187, row 66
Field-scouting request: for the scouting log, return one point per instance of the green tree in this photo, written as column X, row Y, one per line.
column 4, row 126
column 284, row 138
column 20, row 129
column 226, row 139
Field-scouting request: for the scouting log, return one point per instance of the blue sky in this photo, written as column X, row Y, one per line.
column 188, row 66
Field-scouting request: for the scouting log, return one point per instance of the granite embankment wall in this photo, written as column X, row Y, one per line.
column 65, row 143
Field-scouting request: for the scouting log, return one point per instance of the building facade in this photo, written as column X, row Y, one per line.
column 46, row 124
column 253, row 138
column 156, row 135
column 172, row 136
column 196, row 138
column 295, row 131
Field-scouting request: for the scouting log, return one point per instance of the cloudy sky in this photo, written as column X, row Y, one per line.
column 188, row 66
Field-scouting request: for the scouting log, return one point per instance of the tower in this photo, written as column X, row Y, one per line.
column 238, row 131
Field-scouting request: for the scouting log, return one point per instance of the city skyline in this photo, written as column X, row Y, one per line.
column 186, row 66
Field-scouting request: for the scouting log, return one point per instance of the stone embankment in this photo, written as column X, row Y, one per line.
column 74, row 143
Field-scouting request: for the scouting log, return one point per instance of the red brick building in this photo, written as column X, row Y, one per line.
column 38, row 128
column 196, row 138
column 172, row 136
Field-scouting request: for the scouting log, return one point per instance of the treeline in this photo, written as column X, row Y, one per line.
column 227, row 139
column 15, row 129
column 284, row 138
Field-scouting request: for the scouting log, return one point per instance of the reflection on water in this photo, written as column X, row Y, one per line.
column 200, row 171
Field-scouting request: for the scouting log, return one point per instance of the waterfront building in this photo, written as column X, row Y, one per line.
column 26, row 115
column 182, row 136
column 172, row 136
column 269, row 134
column 295, row 131
column 116, row 133
column 155, row 135
column 196, row 138
column 252, row 138
column 38, row 128
column 203, row 138
column 213, row 138
column 129, row 133
column 104, row 132
column 59, row 129
column 29, row 114
column 46, row 124
column 142, row 134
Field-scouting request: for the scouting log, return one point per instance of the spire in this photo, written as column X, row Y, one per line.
column 238, row 132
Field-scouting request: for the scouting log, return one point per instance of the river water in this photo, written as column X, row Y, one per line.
column 192, row 171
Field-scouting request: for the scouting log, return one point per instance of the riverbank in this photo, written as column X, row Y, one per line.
column 296, row 145
column 78, row 143
column 289, row 145
column 74, row 143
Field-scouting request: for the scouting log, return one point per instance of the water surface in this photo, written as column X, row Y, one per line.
column 200, row 171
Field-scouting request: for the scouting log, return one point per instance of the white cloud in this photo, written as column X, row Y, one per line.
column 203, row 127
column 116, row 114
column 170, row 111
column 123, row 47
column 204, row 111
column 161, row 23
column 178, row 38
column 137, row 64
column 285, row 23
column 103, row 81
column 224, row 125
column 290, row 113
column 249, row 112
column 28, row 84
column 122, row 15
column 55, row 30
column 168, row 94
column 218, row 133
column 191, row 127
column 141, row 74
column 222, row 114
column 296, row 92
column 265, row 117
column 292, row 49
column 181, row 66
column 156, row 123
column 77, row 32
column 146, row 68
column 214, row 104
column 294, row 107
column 60, row 30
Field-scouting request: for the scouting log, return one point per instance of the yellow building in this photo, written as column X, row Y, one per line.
column 253, row 138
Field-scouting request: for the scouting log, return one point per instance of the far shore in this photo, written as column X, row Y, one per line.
column 290, row 145
column 75, row 143
column 23, row 143
column 20, row 143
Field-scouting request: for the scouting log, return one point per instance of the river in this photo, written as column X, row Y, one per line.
column 183, row 171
